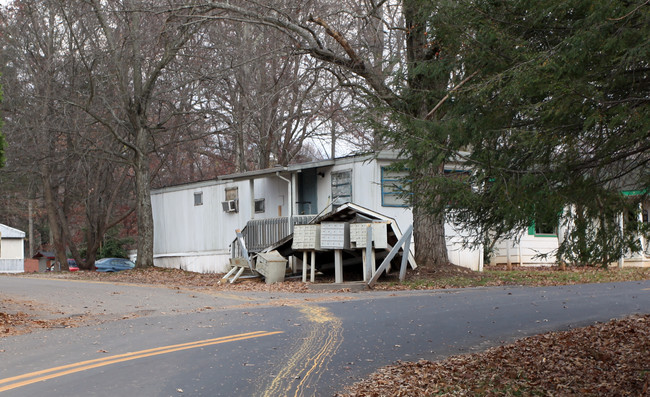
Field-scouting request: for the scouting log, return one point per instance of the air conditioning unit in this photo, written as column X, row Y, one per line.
column 230, row 206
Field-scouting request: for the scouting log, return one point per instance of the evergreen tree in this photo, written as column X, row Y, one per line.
column 556, row 121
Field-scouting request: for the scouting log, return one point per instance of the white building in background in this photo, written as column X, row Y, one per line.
column 12, row 250
column 195, row 223
column 537, row 245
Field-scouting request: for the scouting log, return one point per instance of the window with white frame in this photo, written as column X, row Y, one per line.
column 392, row 188
column 341, row 187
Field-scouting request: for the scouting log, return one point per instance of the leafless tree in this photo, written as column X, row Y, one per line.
column 53, row 142
column 340, row 35
column 33, row 39
column 127, row 49
column 164, row 78
column 263, row 97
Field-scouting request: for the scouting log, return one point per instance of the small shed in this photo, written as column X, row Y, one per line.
column 45, row 260
column 12, row 250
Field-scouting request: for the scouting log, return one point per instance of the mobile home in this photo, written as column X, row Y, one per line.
column 195, row 223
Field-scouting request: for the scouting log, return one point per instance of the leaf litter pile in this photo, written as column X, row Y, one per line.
column 610, row 359
column 440, row 278
column 20, row 317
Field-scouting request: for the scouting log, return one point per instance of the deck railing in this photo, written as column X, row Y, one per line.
column 261, row 233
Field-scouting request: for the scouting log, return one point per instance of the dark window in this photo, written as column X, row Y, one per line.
column 545, row 229
column 541, row 229
column 259, row 205
column 198, row 198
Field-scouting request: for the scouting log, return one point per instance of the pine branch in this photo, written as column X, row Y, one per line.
column 432, row 113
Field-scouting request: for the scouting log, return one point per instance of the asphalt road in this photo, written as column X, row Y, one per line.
column 153, row 341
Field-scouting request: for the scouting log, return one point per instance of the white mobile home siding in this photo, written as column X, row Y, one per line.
column 366, row 192
column 529, row 250
column 198, row 237
column 192, row 237
column 366, row 189
column 12, row 250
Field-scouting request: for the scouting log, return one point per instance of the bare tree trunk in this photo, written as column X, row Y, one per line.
column 240, row 155
column 67, row 237
column 143, row 204
column 430, row 241
column 430, row 244
column 31, row 226
column 333, row 138
column 53, row 219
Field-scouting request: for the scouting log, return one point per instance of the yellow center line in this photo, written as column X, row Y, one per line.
column 188, row 345
column 90, row 364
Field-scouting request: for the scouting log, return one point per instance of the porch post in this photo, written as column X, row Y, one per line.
column 338, row 266
column 368, row 257
column 251, row 183
column 621, row 260
column 294, row 194
column 292, row 182
column 642, row 239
